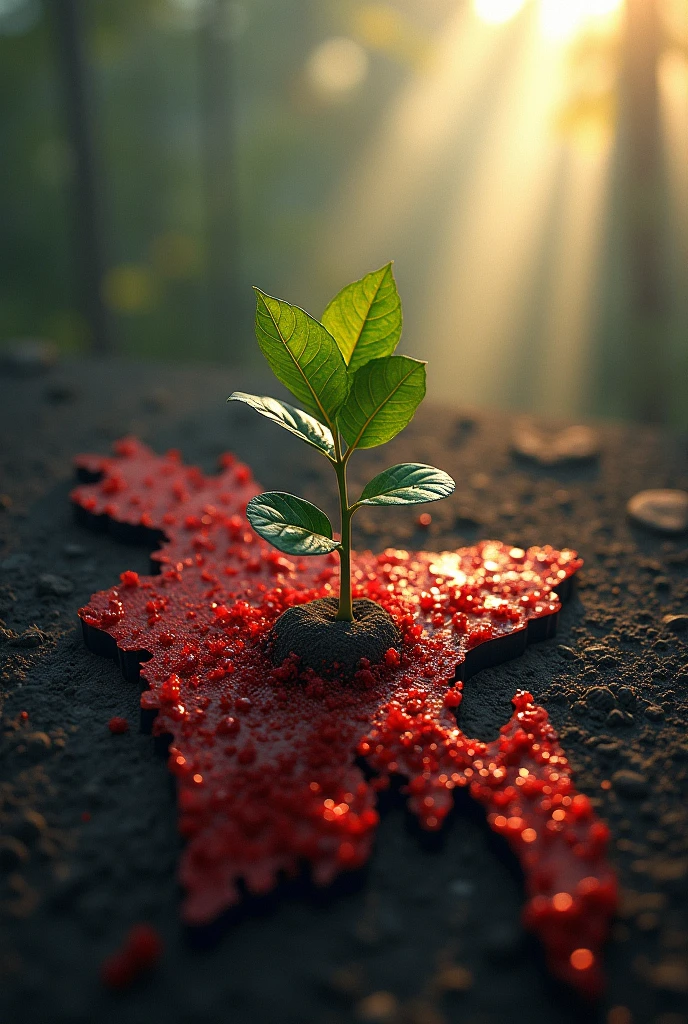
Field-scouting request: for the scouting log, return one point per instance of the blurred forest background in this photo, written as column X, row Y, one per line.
column 524, row 162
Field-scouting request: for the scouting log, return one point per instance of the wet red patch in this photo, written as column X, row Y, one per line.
column 265, row 759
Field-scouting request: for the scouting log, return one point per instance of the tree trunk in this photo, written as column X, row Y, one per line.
column 648, row 326
column 87, row 199
column 216, row 88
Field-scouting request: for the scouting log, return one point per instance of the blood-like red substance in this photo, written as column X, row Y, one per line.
column 264, row 757
column 118, row 725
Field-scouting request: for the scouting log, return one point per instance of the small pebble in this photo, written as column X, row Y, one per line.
column 616, row 718
column 158, row 400
column 611, row 749
column 12, row 853
column 599, row 653
column 73, row 550
column 29, row 826
column 654, row 712
column 626, row 696
column 629, row 783
column 480, row 481
column 670, row 976
column 378, row 1006
column 600, row 698
column 345, row 981
column 466, row 518
column 663, row 510
column 676, row 623
column 607, row 661
column 619, row 1015
column 647, row 921
column 26, row 357
column 54, row 586
column 37, row 744
column 454, row 978
column 554, row 447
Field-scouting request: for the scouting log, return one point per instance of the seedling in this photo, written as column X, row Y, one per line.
column 357, row 395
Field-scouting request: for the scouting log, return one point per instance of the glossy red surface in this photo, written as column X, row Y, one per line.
column 265, row 758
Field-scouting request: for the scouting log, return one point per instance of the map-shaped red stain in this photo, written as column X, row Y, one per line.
column 265, row 758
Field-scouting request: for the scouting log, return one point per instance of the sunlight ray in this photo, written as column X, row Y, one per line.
column 496, row 214
column 477, row 307
column 409, row 146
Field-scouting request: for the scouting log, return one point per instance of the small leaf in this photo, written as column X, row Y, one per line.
column 291, row 524
column 410, row 483
column 365, row 318
column 294, row 420
column 302, row 355
column 383, row 398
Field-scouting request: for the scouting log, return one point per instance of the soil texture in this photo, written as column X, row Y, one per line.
column 430, row 933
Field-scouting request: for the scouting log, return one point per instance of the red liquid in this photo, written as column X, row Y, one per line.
column 265, row 759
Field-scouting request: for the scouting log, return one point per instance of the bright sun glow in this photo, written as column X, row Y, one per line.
column 497, row 12
column 506, row 205
column 560, row 20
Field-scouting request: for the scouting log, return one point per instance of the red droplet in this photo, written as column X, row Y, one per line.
column 139, row 954
column 118, row 725
column 392, row 657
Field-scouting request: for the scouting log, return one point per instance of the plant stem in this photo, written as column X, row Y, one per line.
column 345, row 610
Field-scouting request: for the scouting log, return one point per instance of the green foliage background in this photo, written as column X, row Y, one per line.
column 292, row 155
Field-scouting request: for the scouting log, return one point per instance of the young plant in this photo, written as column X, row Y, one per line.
column 357, row 395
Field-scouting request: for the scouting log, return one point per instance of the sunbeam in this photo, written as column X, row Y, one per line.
column 373, row 204
column 504, row 251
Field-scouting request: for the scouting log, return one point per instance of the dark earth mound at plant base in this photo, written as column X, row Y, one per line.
column 330, row 646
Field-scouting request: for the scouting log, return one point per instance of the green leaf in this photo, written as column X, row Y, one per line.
column 291, row 524
column 383, row 398
column 294, row 420
column 365, row 318
column 410, row 483
column 302, row 355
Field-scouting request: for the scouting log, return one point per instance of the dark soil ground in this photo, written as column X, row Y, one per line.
column 429, row 933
